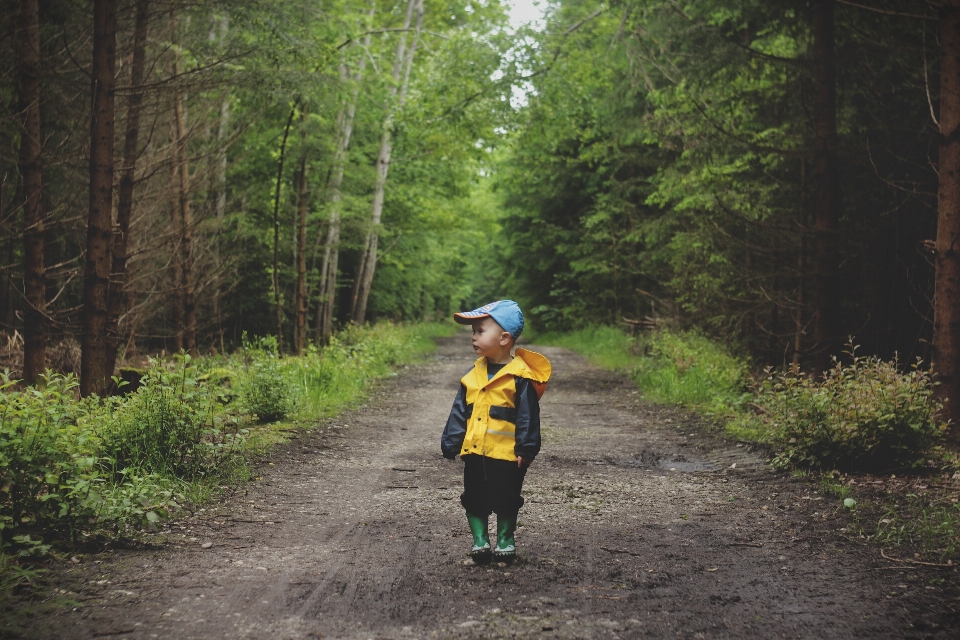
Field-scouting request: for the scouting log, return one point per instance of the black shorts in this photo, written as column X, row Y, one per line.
column 491, row 486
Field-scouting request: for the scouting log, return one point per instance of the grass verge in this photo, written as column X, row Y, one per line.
column 670, row 367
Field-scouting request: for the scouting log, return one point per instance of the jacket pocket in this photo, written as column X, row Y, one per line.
column 507, row 414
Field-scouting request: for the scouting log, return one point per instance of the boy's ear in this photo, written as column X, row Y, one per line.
column 505, row 338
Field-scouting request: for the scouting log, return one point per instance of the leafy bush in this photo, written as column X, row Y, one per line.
column 172, row 425
column 48, row 464
column 266, row 391
column 52, row 471
column 867, row 415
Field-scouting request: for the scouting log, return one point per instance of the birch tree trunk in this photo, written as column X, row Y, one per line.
column 827, row 203
column 183, row 209
column 403, row 62
column 946, row 309
column 368, row 259
column 331, row 254
column 118, row 272
column 34, row 270
column 94, row 372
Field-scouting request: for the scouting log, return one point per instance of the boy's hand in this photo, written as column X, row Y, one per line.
column 524, row 462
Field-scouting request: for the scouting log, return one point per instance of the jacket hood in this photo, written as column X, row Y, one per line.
column 537, row 364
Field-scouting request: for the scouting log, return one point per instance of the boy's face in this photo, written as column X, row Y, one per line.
column 489, row 338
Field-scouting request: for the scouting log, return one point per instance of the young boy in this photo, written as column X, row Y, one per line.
column 495, row 425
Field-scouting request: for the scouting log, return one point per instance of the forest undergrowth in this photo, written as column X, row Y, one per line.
column 75, row 472
column 867, row 432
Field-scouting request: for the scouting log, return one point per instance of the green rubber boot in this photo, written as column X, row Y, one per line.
column 506, row 549
column 481, row 540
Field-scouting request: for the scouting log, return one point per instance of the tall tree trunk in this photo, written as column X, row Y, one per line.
column 301, row 327
column 9, row 233
column 331, row 255
column 94, row 369
column 118, row 276
column 946, row 311
column 827, row 203
column 34, row 269
column 403, row 62
column 801, row 271
column 176, row 301
column 276, row 231
column 221, row 188
column 183, row 209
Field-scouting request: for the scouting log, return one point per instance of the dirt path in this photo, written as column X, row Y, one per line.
column 636, row 524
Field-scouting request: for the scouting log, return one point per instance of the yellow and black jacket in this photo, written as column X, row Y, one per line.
column 498, row 416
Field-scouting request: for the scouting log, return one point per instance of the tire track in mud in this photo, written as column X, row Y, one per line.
column 637, row 524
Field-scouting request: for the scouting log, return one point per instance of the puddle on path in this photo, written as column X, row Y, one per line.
column 654, row 460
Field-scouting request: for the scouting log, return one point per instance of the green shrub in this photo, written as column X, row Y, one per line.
column 867, row 415
column 48, row 463
column 266, row 390
column 53, row 474
column 173, row 424
column 136, row 499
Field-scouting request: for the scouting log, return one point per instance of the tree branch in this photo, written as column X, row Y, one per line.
column 393, row 30
column 885, row 12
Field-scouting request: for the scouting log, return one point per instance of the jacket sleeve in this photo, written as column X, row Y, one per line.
column 528, row 420
column 456, row 429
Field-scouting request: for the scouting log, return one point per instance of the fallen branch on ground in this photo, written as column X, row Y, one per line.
column 926, row 564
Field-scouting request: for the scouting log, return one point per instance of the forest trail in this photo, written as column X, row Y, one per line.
column 636, row 524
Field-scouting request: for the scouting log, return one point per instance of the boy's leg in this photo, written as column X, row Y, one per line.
column 476, row 495
column 475, row 501
column 506, row 484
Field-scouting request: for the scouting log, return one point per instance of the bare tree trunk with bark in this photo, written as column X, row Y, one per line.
column 34, row 269
column 176, row 259
column 403, row 63
column 221, row 190
column 946, row 310
column 301, row 301
column 118, row 276
column 94, row 369
column 278, row 309
column 827, row 203
column 9, row 251
column 183, row 210
column 331, row 255
column 801, row 271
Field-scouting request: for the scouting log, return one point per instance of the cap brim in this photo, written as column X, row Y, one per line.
column 464, row 318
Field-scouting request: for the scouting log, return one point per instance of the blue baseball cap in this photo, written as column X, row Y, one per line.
column 506, row 313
